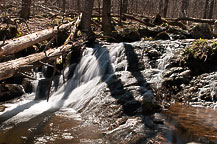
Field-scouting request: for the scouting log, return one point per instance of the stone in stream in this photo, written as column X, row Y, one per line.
column 203, row 31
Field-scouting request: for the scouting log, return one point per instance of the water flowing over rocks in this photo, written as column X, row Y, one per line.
column 121, row 88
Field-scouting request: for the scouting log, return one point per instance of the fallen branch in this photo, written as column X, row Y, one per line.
column 143, row 22
column 209, row 21
column 8, row 69
column 74, row 30
column 15, row 45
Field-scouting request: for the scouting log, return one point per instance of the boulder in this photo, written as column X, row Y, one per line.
column 162, row 36
column 149, row 104
column 203, row 31
column 10, row 91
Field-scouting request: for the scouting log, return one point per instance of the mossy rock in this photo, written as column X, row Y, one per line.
column 201, row 56
column 127, row 35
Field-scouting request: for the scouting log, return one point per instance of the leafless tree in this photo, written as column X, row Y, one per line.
column 86, row 17
column 25, row 11
column 106, row 17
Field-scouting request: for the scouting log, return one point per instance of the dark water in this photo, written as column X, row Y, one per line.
column 57, row 128
column 191, row 124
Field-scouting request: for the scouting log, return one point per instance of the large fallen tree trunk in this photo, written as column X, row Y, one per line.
column 14, row 45
column 10, row 68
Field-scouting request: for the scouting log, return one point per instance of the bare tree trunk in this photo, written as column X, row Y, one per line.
column 99, row 8
column 120, row 11
column 160, row 8
column 166, row 2
column 25, row 11
column 106, row 17
column 64, row 6
column 206, row 9
column 78, row 6
column 86, row 17
column 211, row 9
column 125, row 6
column 184, row 8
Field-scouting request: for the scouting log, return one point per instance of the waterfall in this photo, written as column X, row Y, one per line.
column 96, row 65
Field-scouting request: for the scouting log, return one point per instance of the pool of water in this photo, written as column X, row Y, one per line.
column 61, row 127
column 190, row 124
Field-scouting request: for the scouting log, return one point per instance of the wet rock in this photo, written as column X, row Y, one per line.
column 162, row 36
column 152, row 32
column 27, row 85
column 130, row 107
column 203, row 31
column 10, row 91
column 154, row 54
column 184, row 76
column 128, row 35
column 42, row 89
column 149, row 105
column 176, row 33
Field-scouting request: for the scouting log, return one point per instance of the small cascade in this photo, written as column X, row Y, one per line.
column 113, row 79
column 95, row 66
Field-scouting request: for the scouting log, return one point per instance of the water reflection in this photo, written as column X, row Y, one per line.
column 191, row 124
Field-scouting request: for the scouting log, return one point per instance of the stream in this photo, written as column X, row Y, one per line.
column 107, row 98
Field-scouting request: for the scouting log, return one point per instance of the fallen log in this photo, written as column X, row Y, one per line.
column 74, row 30
column 143, row 22
column 10, row 68
column 15, row 45
column 209, row 21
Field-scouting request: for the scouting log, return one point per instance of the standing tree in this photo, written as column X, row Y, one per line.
column 106, row 17
column 25, row 11
column 85, row 25
column 160, row 8
column 184, row 8
column 78, row 6
column 211, row 9
column 64, row 6
column 166, row 3
column 206, row 9
column 125, row 6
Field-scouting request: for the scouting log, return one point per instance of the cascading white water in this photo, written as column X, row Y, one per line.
column 96, row 63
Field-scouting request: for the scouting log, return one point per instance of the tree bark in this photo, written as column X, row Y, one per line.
column 160, row 8
column 10, row 68
column 25, row 11
column 14, row 45
column 85, row 25
column 211, row 9
column 64, row 6
column 106, row 17
column 184, row 8
column 206, row 9
column 78, row 6
column 125, row 6
column 166, row 3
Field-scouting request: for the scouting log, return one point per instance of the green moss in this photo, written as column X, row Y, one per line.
column 201, row 56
